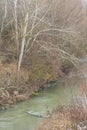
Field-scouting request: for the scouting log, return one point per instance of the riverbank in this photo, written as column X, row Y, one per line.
column 36, row 70
column 14, row 89
column 72, row 117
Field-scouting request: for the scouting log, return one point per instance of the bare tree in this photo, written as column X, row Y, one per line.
column 55, row 25
column 5, row 14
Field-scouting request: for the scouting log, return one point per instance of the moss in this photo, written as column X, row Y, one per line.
column 36, row 93
column 4, row 106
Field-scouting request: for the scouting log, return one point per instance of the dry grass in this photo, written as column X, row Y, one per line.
column 73, row 117
column 58, row 121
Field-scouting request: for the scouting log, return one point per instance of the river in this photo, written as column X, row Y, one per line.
column 17, row 117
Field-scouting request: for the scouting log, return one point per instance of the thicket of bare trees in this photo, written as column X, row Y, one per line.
column 56, row 26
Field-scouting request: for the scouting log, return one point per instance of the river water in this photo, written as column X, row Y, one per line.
column 17, row 118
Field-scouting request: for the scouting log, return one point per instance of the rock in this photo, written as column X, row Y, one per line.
column 82, row 125
column 37, row 114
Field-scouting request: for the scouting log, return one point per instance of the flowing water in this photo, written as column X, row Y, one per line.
column 17, row 118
